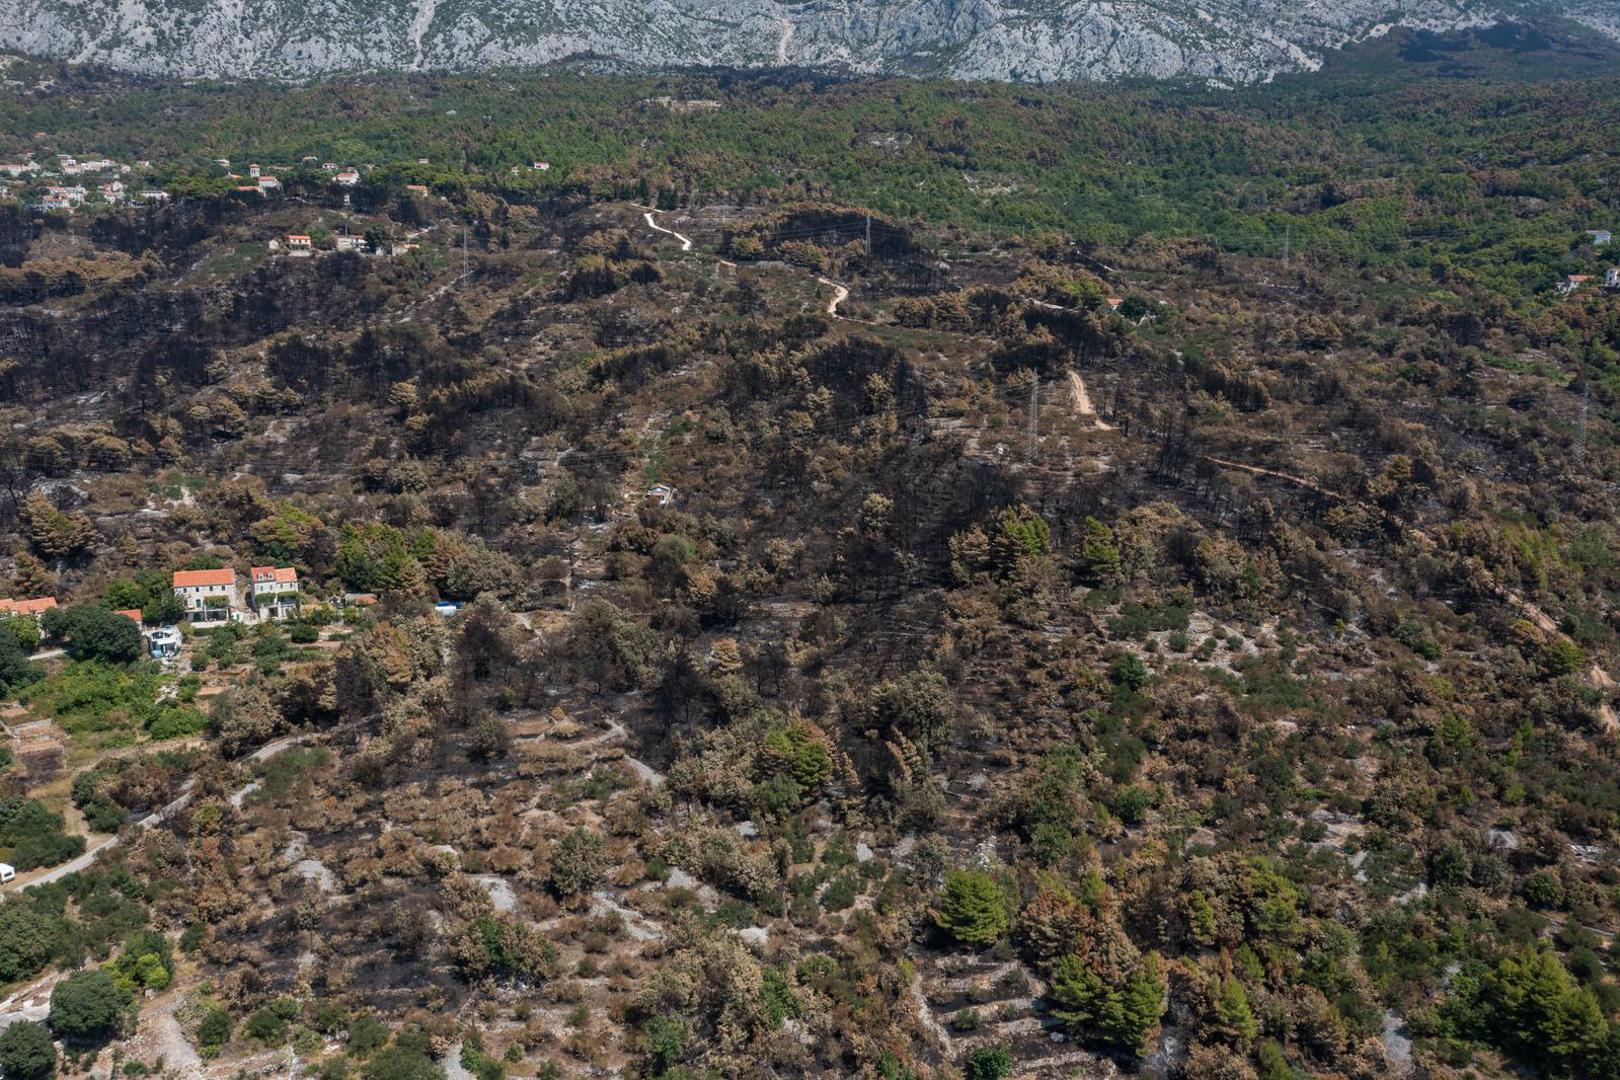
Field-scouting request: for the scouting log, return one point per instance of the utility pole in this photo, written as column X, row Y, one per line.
column 868, row 237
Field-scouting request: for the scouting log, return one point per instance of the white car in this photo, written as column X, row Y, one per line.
column 7, row 872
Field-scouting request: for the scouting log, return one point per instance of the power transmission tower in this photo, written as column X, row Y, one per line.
column 1580, row 433
column 1034, row 414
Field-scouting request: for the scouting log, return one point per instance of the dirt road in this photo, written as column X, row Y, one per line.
column 157, row 817
column 686, row 243
column 1082, row 402
column 840, row 294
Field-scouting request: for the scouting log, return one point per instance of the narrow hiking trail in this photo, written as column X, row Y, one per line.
column 686, row 242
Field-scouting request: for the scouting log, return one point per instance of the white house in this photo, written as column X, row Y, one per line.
column 349, row 242
column 269, row 183
column 1573, row 282
column 163, row 641
column 1599, row 236
column 207, row 595
column 348, row 178
column 1611, row 278
column 275, row 591
column 299, row 244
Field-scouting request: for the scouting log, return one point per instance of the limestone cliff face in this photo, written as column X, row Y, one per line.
column 1025, row 40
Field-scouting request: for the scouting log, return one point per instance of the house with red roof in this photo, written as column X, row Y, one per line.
column 35, row 609
column 275, row 591
column 208, row 596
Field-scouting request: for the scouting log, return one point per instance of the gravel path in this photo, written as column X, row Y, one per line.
column 686, row 243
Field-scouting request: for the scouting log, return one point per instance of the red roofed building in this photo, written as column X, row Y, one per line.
column 275, row 591
column 34, row 609
column 133, row 614
column 207, row 595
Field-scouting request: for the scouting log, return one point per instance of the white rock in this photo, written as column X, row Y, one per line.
column 1224, row 41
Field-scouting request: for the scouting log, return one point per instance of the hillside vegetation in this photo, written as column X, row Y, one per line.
column 934, row 581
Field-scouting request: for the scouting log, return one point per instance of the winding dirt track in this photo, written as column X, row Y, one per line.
column 840, row 294
column 686, row 242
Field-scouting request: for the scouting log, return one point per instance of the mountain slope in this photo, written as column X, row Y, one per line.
column 1027, row 40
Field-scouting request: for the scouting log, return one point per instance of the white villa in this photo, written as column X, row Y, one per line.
column 207, row 595
column 275, row 591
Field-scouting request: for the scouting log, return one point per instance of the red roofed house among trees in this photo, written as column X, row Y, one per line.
column 275, row 591
column 207, row 595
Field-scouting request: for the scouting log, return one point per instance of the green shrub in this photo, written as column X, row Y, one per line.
column 1129, row 672
column 366, row 1034
column 973, row 908
column 26, row 1051
column 214, row 1031
column 988, row 1063
column 87, row 1006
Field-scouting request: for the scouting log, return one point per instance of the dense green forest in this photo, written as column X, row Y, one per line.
column 1497, row 178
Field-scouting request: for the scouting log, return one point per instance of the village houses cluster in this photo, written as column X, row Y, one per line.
column 65, row 182
column 206, row 597
column 1598, row 238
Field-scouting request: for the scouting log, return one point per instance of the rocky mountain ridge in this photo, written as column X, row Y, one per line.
column 1231, row 41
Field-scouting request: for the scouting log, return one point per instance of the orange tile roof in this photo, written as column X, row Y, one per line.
column 187, row 578
column 28, row 607
column 130, row 613
column 279, row 574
